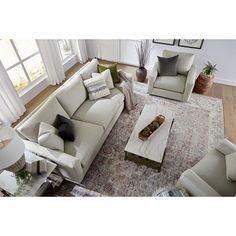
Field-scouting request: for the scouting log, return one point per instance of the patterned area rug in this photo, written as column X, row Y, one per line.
column 198, row 127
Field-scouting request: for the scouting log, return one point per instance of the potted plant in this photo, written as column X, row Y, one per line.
column 205, row 79
column 143, row 51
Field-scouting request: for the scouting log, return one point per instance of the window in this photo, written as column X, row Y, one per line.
column 65, row 48
column 22, row 61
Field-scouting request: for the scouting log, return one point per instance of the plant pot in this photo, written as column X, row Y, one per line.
column 141, row 74
column 203, row 83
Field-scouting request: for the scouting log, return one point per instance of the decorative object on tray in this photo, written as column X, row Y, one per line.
column 11, row 150
column 205, row 79
column 147, row 131
column 37, row 167
column 164, row 41
column 143, row 51
column 191, row 43
column 170, row 192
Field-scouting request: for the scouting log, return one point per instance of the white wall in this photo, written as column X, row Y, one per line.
column 220, row 52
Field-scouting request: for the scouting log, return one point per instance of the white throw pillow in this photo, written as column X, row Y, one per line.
column 185, row 60
column 96, row 87
column 48, row 137
column 108, row 78
column 230, row 161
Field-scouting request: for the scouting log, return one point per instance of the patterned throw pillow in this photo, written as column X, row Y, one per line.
column 96, row 87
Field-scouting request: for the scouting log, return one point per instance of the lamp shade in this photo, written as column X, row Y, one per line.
column 11, row 147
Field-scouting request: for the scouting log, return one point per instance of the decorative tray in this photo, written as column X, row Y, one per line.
column 147, row 131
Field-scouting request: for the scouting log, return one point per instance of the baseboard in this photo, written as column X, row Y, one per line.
column 225, row 81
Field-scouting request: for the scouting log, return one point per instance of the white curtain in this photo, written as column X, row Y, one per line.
column 80, row 49
column 11, row 107
column 52, row 61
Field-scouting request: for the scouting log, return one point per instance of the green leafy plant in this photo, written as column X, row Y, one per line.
column 209, row 69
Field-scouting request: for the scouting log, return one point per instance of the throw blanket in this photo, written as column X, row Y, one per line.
column 126, row 87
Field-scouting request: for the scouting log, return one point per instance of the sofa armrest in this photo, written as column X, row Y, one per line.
column 195, row 185
column 152, row 76
column 68, row 165
column 226, row 147
column 190, row 82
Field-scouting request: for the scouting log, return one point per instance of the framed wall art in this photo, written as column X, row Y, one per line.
column 191, row 43
column 164, row 41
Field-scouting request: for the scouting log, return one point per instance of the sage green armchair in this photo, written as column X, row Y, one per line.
column 177, row 87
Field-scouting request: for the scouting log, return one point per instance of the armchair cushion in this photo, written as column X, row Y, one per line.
column 230, row 161
column 185, row 60
column 168, row 65
column 171, row 83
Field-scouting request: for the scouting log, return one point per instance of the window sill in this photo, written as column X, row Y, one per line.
column 31, row 86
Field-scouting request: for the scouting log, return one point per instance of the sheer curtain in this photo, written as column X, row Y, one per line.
column 11, row 107
column 52, row 61
column 80, row 49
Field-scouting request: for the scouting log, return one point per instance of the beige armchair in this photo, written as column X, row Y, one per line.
column 175, row 87
column 208, row 176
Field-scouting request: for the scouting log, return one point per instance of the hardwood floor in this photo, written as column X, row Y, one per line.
column 224, row 92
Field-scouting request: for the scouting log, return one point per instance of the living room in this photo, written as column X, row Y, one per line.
column 120, row 115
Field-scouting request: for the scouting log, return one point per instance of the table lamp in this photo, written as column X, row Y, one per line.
column 11, row 150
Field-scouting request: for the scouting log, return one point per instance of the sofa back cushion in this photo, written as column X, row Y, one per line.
column 91, row 67
column 185, row 60
column 46, row 113
column 72, row 95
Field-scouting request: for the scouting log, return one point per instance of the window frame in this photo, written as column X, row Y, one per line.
column 60, row 52
column 21, row 62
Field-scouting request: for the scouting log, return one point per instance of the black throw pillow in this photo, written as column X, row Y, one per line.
column 65, row 128
column 168, row 66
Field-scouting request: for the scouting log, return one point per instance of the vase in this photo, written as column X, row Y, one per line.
column 203, row 83
column 141, row 74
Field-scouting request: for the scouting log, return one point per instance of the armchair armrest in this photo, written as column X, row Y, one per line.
column 152, row 76
column 191, row 77
column 68, row 165
column 226, row 147
column 195, row 185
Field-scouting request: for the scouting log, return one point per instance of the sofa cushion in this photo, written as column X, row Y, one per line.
column 48, row 137
column 46, row 113
column 171, row 83
column 87, row 137
column 212, row 170
column 107, row 75
column 97, row 87
column 230, row 161
column 91, row 67
column 72, row 95
column 65, row 128
column 116, row 95
column 98, row 112
column 168, row 66
column 185, row 60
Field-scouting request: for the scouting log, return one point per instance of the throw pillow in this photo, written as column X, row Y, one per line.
column 48, row 137
column 113, row 70
column 108, row 78
column 168, row 66
column 230, row 161
column 65, row 128
column 185, row 60
column 96, row 87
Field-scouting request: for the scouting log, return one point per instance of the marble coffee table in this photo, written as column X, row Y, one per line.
column 150, row 152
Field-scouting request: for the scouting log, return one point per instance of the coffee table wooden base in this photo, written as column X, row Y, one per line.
column 142, row 161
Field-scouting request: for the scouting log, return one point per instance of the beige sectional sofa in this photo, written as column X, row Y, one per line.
column 92, row 120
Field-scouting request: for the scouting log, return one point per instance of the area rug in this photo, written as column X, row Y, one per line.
column 198, row 127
